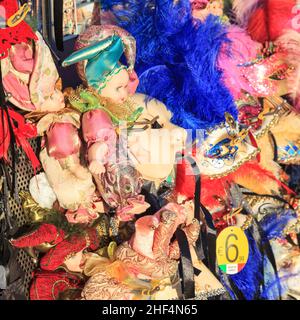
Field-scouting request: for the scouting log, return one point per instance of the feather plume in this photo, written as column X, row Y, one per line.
column 240, row 49
column 250, row 181
column 290, row 43
column 177, row 60
column 271, row 19
column 274, row 224
column 248, row 280
column 243, row 10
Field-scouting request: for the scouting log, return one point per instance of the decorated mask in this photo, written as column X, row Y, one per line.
column 225, row 149
column 246, row 67
column 267, row 76
column 153, row 144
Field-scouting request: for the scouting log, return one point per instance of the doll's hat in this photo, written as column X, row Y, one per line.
column 99, row 50
column 56, row 257
column 48, row 285
column 13, row 28
column 102, row 60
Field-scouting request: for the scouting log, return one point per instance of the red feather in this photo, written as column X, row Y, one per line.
column 271, row 19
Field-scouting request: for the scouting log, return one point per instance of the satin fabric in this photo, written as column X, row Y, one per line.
column 102, row 59
column 63, row 140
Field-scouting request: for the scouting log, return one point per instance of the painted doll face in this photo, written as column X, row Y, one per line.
column 117, row 87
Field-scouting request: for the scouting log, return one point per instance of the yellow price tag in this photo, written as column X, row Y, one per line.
column 232, row 250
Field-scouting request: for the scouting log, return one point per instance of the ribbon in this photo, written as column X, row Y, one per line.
column 204, row 244
column 58, row 24
column 186, row 268
column 254, row 144
column 274, row 146
column 21, row 131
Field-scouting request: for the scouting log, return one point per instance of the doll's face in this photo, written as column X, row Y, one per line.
column 117, row 87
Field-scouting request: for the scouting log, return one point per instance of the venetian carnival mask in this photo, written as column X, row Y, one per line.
column 152, row 147
column 225, row 149
column 266, row 76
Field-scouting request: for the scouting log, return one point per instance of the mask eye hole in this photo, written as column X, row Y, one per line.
column 128, row 188
column 156, row 125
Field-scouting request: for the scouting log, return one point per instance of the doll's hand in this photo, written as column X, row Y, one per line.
column 96, row 167
column 97, row 155
column 82, row 216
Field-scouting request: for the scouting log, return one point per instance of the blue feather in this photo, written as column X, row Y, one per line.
column 274, row 224
column 249, row 279
column 176, row 60
column 271, row 291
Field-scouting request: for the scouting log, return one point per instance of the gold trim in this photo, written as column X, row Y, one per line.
column 235, row 167
column 295, row 227
column 271, row 124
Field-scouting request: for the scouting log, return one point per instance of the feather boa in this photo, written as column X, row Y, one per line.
column 253, row 181
column 273, row 226
column 185, row 183
column 177, row 60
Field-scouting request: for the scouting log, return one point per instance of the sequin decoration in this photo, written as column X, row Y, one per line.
column 289, row 153
column 265, row 76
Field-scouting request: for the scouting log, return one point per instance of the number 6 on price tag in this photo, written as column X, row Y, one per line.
column 232, row 250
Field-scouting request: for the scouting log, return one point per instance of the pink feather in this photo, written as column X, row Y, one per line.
column 290, row 43
column 244, row 9
column 241, row 49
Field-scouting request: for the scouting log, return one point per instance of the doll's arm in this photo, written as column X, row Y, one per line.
column 100, row 135
column 97, row 156
column 62, row 140
column 63, row 144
